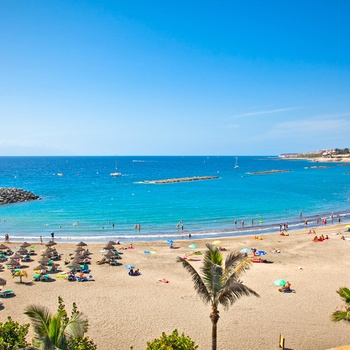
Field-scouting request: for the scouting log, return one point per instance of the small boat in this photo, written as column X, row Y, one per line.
column 236, row 165
column 116, row 173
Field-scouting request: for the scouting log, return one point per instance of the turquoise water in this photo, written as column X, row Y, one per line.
column 85, row 201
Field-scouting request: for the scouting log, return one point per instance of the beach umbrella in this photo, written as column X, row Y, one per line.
column 16, row 256
column 193, row 246
column 74, row 265
column 79, row 250
column 129, row 266
column 170, row 241
column 25, row 245
column 2, row 282
column 260, row 252
column 111, row 243
column 50, row 243
column 280, row 283
column 40, row 267
column 109, row 254
column 81, row 244
column 22, row 251
column 216, row 242
column 43, row 261
column 3, row 247
column 12, row 263
column 108, row 247
column 245, row 250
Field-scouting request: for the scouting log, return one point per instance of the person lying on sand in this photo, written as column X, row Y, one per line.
column 284, row 234
column 163, row 280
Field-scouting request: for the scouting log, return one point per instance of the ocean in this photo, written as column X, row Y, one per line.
column 81, row 201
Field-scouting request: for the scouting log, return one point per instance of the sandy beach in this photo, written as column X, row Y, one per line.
column 127, row 311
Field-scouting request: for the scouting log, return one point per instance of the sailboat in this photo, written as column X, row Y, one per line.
column 116, row 173
column 236, row 165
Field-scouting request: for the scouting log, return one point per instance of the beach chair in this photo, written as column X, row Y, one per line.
column 36, row 277
column 6, row 293
column 44, row 278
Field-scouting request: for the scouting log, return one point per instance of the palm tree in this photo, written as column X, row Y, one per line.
column 343, row 315
column 219, row 283
column 54, row 332
column 20, row 274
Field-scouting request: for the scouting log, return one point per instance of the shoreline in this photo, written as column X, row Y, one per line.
column 232, row 232
column 309, row 266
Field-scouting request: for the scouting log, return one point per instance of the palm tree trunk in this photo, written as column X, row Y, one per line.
column 214, row 316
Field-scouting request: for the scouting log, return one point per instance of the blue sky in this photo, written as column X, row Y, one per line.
column 173, row 77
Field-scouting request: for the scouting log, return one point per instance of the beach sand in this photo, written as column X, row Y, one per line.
column 125, row 311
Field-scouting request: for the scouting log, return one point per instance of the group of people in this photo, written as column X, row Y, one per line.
column 320, row 238
column 135, row 272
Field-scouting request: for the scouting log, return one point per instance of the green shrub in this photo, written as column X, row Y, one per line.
column 13, row 335
column 172, row 342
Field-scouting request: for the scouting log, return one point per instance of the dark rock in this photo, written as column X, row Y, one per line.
column 15, row 195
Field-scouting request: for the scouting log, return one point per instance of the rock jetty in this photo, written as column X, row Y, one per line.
column 182, row 179
column 268, row 172
column 15, row 195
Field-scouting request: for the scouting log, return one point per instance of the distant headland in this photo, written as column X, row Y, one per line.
column 329, row 155
column 15, row 195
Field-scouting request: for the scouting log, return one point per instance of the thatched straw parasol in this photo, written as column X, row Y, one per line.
column 2, row 282
column 40, row 267
column 111, row 243
column 12, row 262
column 109, row 254
column 50, row 243
column 3, row 247
column 22, row 251
column 79, row 249
column 81, row 244
column 25, row 245
column 16, row 256
column 43, row 261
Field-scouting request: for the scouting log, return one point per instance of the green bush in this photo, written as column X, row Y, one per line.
column 13, row 335
column 172, row 342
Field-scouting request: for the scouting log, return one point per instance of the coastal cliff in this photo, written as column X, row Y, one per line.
column 15, row 195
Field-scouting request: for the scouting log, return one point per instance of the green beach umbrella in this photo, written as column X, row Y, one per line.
column 280, row 283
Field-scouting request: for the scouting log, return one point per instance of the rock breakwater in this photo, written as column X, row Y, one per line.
column 15, row 195
column 181, row 179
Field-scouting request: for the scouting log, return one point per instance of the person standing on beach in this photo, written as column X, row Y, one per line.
column 301, row 214
column 242, row 223
column 41, row 239
column 7, row 238
column 53, row 235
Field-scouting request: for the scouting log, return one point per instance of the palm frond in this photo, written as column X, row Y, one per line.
column 40, row 317
column 344, row 294
column 234, row 291
column 236, row 264
column 77, row 325
column 199, row 284
column 341, row 316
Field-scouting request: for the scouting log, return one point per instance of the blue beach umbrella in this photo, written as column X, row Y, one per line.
column 170, row 241
column 129, row 266
column 245, row 250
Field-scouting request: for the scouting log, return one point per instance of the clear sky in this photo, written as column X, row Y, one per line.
column 173, row 77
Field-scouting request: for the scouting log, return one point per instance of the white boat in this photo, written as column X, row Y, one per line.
column 116, row 173
column 236, row 165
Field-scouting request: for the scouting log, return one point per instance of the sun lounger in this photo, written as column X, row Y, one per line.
column 36, row 277
column 44, row 278
column 6, row 293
